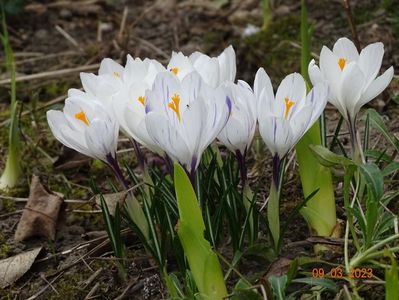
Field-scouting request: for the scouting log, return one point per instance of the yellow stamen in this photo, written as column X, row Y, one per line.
column 174, row 70
column 288, row 105
column 341, row 63
column 81, row 116
column 174, row 105
column 141, row 99
column 116, row 74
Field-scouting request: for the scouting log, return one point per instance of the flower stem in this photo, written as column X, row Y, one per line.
column 134, row 208
column 242, row 166
column 273, row 205
column 139, row 155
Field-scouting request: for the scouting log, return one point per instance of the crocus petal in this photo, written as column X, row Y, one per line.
column 101, row 138
column 370, row 60
column 375, row 88
column 352, row 84
column 292, row 87
column 317, row 97
column 111, row 67
column 135, row 70
column 208, row 68
column 314, row 72
column 227, row 65
column 168, row 138
column 234, row 135
column 277, row 135
column 180, row 65
column 89, row 83
column 263, row 83
column 344, row 48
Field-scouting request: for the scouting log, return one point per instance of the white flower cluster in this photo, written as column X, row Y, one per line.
column 181, row 109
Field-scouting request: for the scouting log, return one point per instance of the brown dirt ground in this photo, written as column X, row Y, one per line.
column 152, row 29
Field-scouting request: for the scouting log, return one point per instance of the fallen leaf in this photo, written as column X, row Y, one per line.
column 279, row 267
column 14, row 267
column 112, row 200
column 40, row 213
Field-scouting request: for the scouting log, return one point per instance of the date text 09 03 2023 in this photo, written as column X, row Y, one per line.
column 337, row 273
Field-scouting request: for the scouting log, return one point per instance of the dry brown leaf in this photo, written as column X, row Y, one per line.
column 112, row 200
column 14, row 267
column 40, row 214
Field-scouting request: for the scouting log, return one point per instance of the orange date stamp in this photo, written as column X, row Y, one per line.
column 338, row 273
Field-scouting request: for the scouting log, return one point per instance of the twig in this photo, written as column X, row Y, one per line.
column 47, row 74
column 129, row 286
column 352, row 24
column 93, row 276
column 92, row 291
column 35, row 296
column 18, row 199
column 152, row 47
column 68, row 37
column 123, row 23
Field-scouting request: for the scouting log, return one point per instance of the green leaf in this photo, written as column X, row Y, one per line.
column 278, row 284
column 377, row 122
column 373, row 178
column 390, row 168
column 391, row 279
column 203, row 262
column 324, row 282
column 329, row 159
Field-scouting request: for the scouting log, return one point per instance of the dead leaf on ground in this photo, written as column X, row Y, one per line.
column 14, row 267
column 40, row 213
column 279, row 267
column 111, row 200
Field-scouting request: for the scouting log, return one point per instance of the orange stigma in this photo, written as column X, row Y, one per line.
column 341, row 63
column 288, row 105
column 174, row 70
column 141, row 99
column 81, row 116
column 174, row 105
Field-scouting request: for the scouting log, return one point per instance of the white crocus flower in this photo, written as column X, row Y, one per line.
column 239, row 131
column 184, row 117
column 285, row 117
column 129, row 102
column 213, row 70
column 86, row 127
column 352, row 77
column 103, row 86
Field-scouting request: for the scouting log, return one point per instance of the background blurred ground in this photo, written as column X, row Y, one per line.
column 57, row 35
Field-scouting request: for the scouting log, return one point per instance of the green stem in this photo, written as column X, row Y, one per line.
column 273, row 204
column 369, row 252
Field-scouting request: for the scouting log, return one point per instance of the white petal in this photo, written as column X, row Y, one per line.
column 111, row 67
column 375, row 88
column 277, row 135
column 263, row 90
column 167, row 138
column 314, row 72
column 235, row 135
column 89, row 83
column 346, row 49
column 208, row 68
column 370, row 60
column 293, row 86
column 317, row 98
column 182, row 63
column 352, row 84
column 135, row 70
column 227, row 65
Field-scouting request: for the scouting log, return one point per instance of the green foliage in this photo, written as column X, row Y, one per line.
column 203, row 262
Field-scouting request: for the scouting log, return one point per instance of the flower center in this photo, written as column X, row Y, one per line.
column 288, row 105
column 174, row 70
column 81, row 116
column 174, row 105
column 341, row 63
column 116, row 74
column 141, row 99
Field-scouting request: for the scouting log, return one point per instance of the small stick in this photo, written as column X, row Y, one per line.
column 123, row 23
column 151, row 46
column 352, row 24
column 92, row 291
column 48, row 74
column 68, row 37
column 93, row 276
